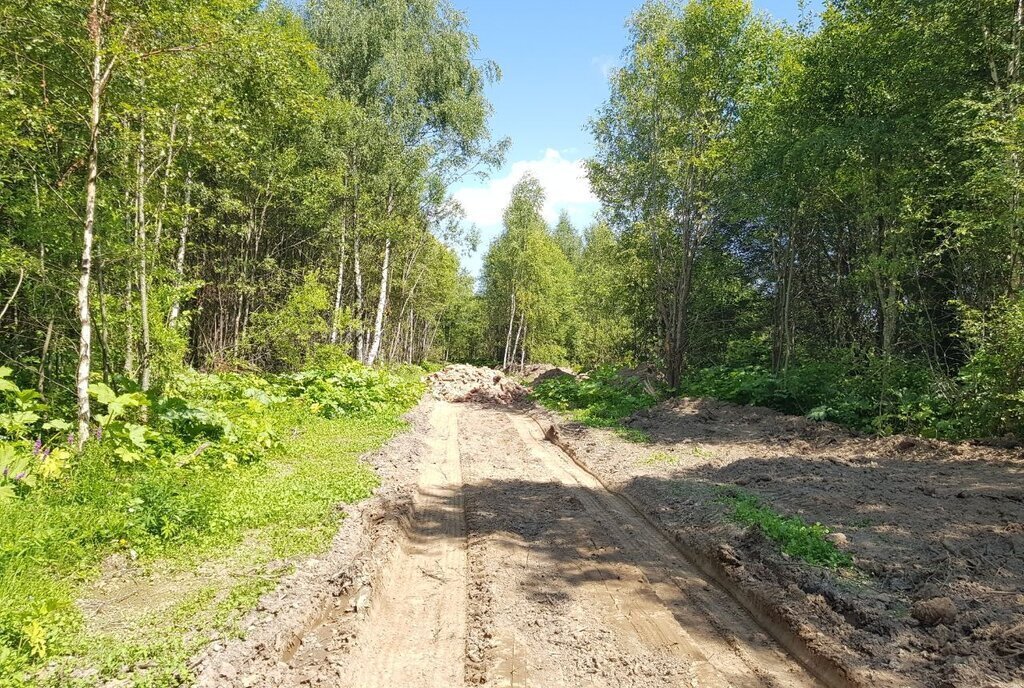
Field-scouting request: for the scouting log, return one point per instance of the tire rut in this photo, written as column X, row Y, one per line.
column 518, row 568
column 576, row 589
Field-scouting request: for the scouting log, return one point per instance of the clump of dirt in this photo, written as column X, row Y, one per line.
column 936, row 595
column 539, row 372
column 465, row 383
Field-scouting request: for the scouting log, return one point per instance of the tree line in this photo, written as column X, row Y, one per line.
column 824, row 218
column 230, row 182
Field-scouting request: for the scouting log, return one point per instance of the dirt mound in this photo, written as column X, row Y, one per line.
column 647, row 375
column 464, row 383
column 695, row 419
column 539, row 372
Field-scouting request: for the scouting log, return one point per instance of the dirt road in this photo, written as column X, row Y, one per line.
column 519, row 569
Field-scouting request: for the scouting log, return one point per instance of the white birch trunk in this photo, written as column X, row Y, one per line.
column 85, row 273
column 140, row 219
column 179, row 260
column 382, row 302
column 338, row 287
column 358, row 270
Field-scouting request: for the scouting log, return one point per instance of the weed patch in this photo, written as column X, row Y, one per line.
column 660, row 458
column 600, row 400
column 796, row 538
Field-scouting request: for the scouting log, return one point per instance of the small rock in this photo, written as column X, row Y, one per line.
column 227, row 670
column 361, row 602
column 728, row 555
column 838, row 539
column 934, row 611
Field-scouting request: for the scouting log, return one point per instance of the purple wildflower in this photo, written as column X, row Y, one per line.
column 99, row 432
column 38, row 446
column 21, row 475
column 6, row 469
column 71, row 438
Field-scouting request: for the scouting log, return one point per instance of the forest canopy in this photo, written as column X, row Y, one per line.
column 822, row 218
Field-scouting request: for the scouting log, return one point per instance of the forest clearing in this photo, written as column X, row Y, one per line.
column 313, row 374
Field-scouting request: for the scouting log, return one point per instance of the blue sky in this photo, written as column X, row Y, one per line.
column 554, row 56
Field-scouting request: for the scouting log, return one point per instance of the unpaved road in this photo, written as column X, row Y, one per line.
column 520, row 569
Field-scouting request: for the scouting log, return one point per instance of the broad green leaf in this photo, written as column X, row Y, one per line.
column 102, row 393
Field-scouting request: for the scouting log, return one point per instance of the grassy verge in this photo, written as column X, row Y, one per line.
column 796, row 538
column 203, row 533
column 601, row 400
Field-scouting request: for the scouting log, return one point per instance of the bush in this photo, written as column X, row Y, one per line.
column 993, row 379
column 873, row 395
column 600, row 399
column 285, row 338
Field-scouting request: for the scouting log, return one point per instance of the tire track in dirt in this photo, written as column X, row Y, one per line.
column 572, row 588
column 414, row 633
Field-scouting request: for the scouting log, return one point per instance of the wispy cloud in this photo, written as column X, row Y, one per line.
column 604, row 64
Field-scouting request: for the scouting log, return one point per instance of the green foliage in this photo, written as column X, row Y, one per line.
column 878, row 396
column 796, row 538
column 600, row 399
column 351, row 389
column 284, row 337
column 24, row 462
column 177, row 476
column 992, row 381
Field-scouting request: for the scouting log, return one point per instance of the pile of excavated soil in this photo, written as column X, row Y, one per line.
column 935, row 529
column 465, row 383
column 539, row 372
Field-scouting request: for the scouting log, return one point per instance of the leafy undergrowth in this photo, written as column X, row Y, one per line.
column 232, row 472
column 876, row 395
column 601, row 399
column 796, row 538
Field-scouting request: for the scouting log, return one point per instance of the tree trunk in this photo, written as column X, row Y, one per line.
column 358, row 270
column 129, row 332
column 522, row 350
column 104, row 335
column 179, row 261
column 515, row 343
column 14, row 294
column 41, row 385
column 382, row 302
column 338, row 287
column 98, row 80
column 140, row 219
column 508, row 335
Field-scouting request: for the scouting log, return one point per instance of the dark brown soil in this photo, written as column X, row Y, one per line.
column 936, row 531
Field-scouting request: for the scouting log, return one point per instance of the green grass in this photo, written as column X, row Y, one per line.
column 660, row 458
column 602, row 400
column 795, row 537
column 174, row 520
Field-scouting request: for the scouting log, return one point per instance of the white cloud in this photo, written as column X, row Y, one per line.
column 606, row 65
column 565, row 184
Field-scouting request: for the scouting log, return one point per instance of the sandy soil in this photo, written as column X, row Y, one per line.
column 509, row 549
column 501, row 562
column 936, row 531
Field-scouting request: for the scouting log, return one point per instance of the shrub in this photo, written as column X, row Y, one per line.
column 285, row 338
column 600, row 399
